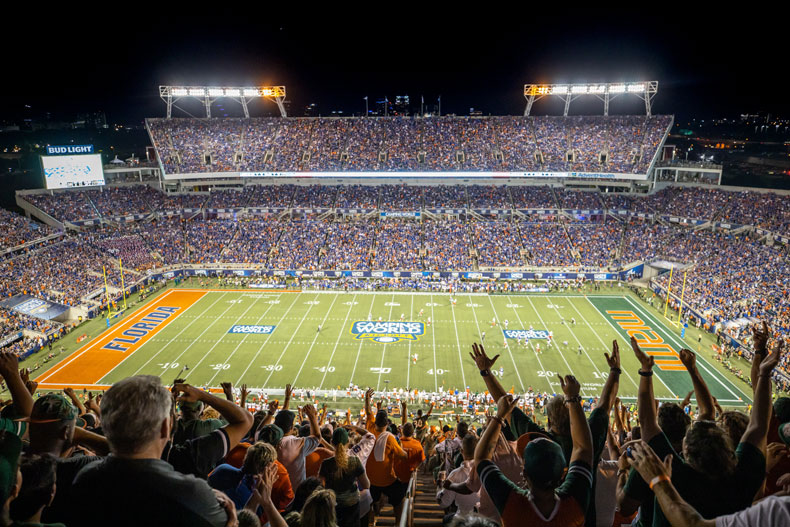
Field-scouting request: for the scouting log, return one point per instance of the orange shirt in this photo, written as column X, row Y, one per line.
column 382, row 473
column 312, row 463
column 416, row 455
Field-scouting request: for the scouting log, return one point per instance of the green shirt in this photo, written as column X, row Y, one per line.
column 712, row 497
column 195, row 428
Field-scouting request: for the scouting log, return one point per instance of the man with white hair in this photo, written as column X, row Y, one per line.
column 133, row 486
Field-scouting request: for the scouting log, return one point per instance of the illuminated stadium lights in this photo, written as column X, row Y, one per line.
column 568, row 92
column 208, row 94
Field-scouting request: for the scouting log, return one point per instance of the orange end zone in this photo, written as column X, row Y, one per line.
column 89, row 364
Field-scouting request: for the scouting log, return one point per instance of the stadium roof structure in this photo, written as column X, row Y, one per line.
column 242, row 95
column 645, row 90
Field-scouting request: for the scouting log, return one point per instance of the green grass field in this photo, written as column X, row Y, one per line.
column 296, row 352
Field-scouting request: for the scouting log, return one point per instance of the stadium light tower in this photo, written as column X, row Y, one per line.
column 645, row 90
column 208, row 94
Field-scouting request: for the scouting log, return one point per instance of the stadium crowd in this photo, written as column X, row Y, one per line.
column 622, row 144
column 178, row 455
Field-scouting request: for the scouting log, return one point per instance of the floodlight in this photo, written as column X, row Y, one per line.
column 196, row 92
column 216, row 92
column 232, row 92
column 179, row 92
column 250, row 92
column 636, row 88
column 559, row 90
column 579, row 89
column 617, row 88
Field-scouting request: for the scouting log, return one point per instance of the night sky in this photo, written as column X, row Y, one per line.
column 66, row 61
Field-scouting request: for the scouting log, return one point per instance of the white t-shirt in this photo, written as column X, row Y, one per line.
column 466, row 502
column 773, row 511
column 291, row 452
column 606, row 493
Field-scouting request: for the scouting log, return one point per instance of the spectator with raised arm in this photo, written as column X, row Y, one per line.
column 557, row 412
column 53, row 431
column 292, row 449
column 774, row 510
column 714, row 477
column 201, row 455
column 550, row 500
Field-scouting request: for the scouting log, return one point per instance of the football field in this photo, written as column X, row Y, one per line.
column 328, row 340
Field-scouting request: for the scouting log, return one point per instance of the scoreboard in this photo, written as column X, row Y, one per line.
column 79, row 167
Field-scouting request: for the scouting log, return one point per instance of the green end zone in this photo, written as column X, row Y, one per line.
column 628, row 319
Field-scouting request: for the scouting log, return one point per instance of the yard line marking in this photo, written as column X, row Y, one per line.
column 266, row 382
column 600, row 340
column 217, row 342
column 361, row 341
column 268, row 338
column 381, row 366
column 310, row 349
column 629, row 345
column 512, row 359
column 241, row 342
column 537, row 355
column 558, row 348
column 345, row 321
column 682, row 345
column 408, row 359
column 433, row 337
column 458, row 342
column 161, row 349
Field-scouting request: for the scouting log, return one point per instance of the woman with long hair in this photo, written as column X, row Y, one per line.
column 319, row 510
column 345, row 475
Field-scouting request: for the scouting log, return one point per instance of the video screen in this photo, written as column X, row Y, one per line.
column 72, row 171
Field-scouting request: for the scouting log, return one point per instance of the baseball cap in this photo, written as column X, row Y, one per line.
column 54, row 407
column 10, row 450
column 340, row 436
column 544, row 461
column 271, row 434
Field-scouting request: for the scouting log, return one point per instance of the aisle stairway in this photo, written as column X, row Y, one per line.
column 426, row 510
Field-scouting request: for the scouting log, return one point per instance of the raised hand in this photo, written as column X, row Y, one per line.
column 760, row 334
column 9, row 364
column 227, row 389
column 570, row 386
column 770, row 362
column 188, row 392
column 309, row 410
column 614, row 360
column 273, row 405
column 647, row 463
column 688, row 358
column 244, row 393
column 288, row 390
column 644, row 359
column 481, row 359
column 505, row 406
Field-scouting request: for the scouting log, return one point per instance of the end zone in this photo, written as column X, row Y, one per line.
column 92, row 362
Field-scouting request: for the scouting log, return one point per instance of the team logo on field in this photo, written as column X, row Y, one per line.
column 387, row 332
column 256, row 330
column 526, row 334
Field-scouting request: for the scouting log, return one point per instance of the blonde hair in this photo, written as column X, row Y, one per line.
column 341, row 459
column 258, row 457
column 319, row 509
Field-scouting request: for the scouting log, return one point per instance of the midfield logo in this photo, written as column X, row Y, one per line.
column 387, row 332
column 531, row 334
